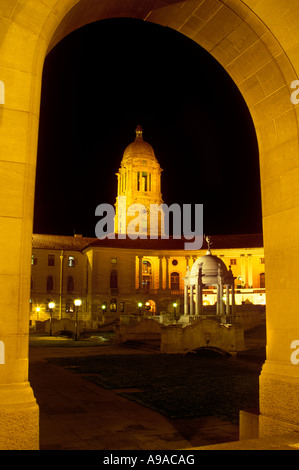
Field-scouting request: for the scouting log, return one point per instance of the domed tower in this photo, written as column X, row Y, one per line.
column 139, row 183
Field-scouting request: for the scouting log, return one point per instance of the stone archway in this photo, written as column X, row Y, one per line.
column 257, row 43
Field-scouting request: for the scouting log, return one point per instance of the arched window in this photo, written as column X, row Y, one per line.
column 262, row 280
column 50, row 284
column 174, row 281
column 70, row 284
column 113, row 305
column 113, row 279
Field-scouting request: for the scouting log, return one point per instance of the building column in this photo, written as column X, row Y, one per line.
column 160, row 273
column 167, row 272
column 250, row 281
column 233, row 300
column 243, row 270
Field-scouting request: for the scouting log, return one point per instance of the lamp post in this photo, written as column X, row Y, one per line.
column 139, row 307
column 78, row 302
column 174, row 310
column 51, row 305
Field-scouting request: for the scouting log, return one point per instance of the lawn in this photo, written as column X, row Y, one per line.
column 178, row 386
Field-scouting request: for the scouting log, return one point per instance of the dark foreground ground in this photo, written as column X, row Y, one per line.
column 93, row 395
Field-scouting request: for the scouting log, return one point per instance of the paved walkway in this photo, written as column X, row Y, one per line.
column 76, row 414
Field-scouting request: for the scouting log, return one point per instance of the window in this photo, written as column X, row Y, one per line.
column 174, row 281
column 144, row 181
column 71, row 261
column 233, row 262
column 113, row 305
column 262, row 260
column 69, row 306
column 174, row 262
column 50, row 284
column 146, row 267
column 33, row 260
column 113, row 279
column 146, row 275
column 51, row 260
column 262, row 280
column 70, row 284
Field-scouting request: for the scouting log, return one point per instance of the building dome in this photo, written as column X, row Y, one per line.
column 139, row 148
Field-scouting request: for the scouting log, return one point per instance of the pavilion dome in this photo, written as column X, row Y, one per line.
column 139, row 148
column 209, row 265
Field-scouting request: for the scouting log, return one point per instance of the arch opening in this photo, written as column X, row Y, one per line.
column 252, row 46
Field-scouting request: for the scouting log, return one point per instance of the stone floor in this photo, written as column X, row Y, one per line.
column 76, row 414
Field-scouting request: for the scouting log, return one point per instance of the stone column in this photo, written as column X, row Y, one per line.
column 191, row 300
column 227, row 299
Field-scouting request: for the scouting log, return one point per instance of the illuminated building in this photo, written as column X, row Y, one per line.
column 113, row 276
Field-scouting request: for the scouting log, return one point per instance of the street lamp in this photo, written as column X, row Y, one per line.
column 78, row 302
column 37, row 312
column 51, row 305
column 174, row 310
column 139, row 307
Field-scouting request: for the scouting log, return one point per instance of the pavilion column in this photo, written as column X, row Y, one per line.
column 198, row 299
column 243, row 271
column 233, row 300
column 186, row 303
column 227, row 299
column 249, row 260
column 191, row 300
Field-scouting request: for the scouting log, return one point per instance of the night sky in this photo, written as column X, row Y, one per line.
column 103, row 80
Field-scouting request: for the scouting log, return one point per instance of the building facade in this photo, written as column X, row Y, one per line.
column 112, row 277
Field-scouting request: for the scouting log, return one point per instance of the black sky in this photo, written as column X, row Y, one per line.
column 102, row 81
